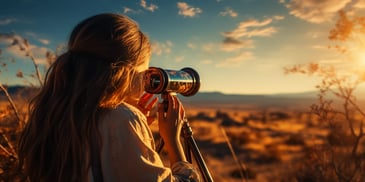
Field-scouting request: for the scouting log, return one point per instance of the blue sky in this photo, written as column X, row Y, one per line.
column 237, row 46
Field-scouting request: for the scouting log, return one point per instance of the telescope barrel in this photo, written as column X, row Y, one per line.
column 185, row 81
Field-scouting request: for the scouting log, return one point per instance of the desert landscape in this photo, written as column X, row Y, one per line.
column 253, row 138
column 265, row 137
column 239, row 47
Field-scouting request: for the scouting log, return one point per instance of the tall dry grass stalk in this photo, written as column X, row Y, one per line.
column 12, row 104
column 13, row 152
column 24, row 46
column 241, row 166
column 36, row 67
column 20, row 123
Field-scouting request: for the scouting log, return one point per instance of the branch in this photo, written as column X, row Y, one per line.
column 36, row 67
column 10, row 146
column 12, row 104
column 242, row 167
column 348, row 118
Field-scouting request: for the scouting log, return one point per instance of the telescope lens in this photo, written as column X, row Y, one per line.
column 155, row 81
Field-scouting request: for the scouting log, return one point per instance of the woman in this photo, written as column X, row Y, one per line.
column 87, row 123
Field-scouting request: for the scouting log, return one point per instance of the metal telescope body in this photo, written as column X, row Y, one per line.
column 185, row 81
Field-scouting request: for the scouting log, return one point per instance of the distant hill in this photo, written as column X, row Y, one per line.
column 16, row 91
column 217, row 99
column 276, row 100
column 13, row 89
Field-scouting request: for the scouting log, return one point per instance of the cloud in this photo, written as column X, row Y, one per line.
column 248, row 29
column 187, row 10
column 236, row 60
column 179, row 59
column 243, row 29
column 315, row 11
column 360, row 4
column 319, row 47
column 231, row 44
column 6, row 38
column 191, row 45
column 206, row 61
column 278, row 17
column 151, row 7
column 18, row 47
column 210, row 47
column 160, row 48
column 36, row 37
column 127, row 10
column 229, row 12
column 44, row 41
column 314, row 35
column 7, row 21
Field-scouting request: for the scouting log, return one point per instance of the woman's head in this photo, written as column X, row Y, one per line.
column 111, row 37
column 113, row 50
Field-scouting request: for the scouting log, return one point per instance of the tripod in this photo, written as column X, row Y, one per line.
column 190, row 146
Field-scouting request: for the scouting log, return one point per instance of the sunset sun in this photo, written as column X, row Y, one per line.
column 359, row 57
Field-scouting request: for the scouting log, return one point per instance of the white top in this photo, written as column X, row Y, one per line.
column 128, row 150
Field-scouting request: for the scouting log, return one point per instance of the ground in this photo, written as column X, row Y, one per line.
column 237, row 142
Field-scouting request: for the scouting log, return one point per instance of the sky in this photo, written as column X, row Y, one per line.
column 236, row 46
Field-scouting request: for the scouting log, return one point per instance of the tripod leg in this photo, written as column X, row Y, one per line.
column 187, row 145
column 197, row 155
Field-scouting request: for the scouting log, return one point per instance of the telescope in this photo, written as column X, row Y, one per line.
column 185, row 81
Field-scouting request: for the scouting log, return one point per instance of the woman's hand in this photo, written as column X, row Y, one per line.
column 145, row 105
column 170, row 122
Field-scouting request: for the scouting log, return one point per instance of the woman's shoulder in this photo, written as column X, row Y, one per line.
column 124, row 110
column 124, row 114
column 127, row 110
column 124, row 120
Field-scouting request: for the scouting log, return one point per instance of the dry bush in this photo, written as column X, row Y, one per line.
column 341, row 157
column 226, row 119
column 316, row 166
column 202, row 116
column 239, row 139
column 9, row 136
column 249, row 173
column 255, row 117
column 278, row 115
column 272, row 154
column 14, row 113
column 295, row 139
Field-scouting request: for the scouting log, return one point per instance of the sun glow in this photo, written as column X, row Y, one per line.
column 359, row 56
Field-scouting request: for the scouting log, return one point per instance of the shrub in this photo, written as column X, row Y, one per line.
column 295, row 139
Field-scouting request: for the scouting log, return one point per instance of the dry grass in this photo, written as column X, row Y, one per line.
column 10, row 132
column 266, row 147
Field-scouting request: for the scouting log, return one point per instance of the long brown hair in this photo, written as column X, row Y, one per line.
column 95, row 74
